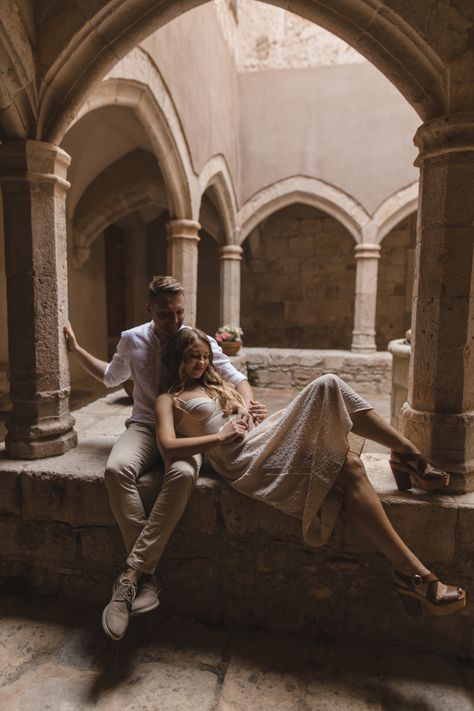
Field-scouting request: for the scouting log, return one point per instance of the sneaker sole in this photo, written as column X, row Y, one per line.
column 135, row 613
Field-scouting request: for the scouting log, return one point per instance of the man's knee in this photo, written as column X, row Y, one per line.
column 183, row 473
column 116, row 476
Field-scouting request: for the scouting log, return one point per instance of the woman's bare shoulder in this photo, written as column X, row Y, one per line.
column 164, row 400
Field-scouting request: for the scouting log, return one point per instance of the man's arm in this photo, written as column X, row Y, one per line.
column 227, row 371
column 90, row 363
column 257, row 409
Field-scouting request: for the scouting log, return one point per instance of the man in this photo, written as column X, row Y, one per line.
column 135, row 591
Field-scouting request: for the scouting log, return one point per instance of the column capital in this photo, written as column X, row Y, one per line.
column 231, row 251
column 33, row 162
column 367, row 251
column 183, row 229
column 451, row 133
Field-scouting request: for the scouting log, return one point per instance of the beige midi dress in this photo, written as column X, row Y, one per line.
column 292, row 459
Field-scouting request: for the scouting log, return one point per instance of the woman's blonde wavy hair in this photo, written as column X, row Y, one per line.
column 173, row 376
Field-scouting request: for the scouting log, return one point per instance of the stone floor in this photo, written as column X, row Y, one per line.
column 55, row 657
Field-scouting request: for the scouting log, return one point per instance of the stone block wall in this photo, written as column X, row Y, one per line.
column 395, row 283
column 292, row 367
column 298, row 281
column 232, row 560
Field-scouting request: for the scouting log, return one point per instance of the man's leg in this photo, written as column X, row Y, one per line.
column 133, row 453
column 178, row 485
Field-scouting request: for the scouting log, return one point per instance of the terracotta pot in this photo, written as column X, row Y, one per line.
column 231, row 348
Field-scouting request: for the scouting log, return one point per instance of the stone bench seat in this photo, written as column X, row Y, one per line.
column 231, row 559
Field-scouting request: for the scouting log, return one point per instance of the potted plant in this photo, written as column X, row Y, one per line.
column 230, row 339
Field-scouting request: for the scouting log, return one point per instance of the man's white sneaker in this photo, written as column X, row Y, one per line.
column 146, row 598
column 116, row 615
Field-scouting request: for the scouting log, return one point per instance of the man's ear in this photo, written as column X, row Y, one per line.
column 148, row 309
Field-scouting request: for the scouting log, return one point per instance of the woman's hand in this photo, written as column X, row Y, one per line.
column 234, row 431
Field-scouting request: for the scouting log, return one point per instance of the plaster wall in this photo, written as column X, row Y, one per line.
column 346, row 125
column 269, row 37
column 87, row 306
column 298, row 281
column 197, row 65
column 96, row 141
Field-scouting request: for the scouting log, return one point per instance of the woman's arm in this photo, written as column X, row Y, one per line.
column 173, row 447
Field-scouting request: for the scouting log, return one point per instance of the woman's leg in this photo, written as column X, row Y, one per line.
column 369, row 424
column 367, row 513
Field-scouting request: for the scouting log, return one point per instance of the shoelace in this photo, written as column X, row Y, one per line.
column 129, row 591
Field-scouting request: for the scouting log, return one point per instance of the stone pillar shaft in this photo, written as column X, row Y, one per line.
column 231, row 257
column 34, row 185
column 439, row 416
column 183, row 242
column 363, row 335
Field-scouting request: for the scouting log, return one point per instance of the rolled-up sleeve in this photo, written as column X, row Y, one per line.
column 118, row 370
column 223, row 365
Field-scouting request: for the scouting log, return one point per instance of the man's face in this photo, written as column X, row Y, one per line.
column 167, row 314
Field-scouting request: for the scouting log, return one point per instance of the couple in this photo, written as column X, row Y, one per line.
column 297, row 460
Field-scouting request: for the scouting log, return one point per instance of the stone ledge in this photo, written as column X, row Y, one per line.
column 295, row 367
column 231, row 559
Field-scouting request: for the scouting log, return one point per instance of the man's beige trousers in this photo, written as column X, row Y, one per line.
column 133, row 453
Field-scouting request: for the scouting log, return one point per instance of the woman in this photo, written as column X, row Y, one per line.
column 298, row 460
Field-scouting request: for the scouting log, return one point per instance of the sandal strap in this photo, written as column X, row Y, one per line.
column 414, row 581
column 419, row 464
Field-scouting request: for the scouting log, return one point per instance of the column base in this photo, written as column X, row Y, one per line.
column 41, row 439
column 446, row 440
column 363, row 342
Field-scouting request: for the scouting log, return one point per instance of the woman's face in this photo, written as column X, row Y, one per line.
column 196, row 360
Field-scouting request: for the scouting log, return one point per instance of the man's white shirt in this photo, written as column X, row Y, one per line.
column 138, row 357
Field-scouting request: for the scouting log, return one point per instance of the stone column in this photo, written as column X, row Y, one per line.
column 231, row 257
column 183, row 241
column 34, row 185
column 439, row 415
column 363, row 335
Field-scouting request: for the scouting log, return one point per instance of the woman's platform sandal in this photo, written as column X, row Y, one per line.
column 408, row 467
column 452, row 600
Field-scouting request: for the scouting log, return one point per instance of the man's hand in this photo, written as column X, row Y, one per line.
column 258, row 411
column 70, row 336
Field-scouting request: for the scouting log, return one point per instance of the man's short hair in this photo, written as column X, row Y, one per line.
column 163, row 286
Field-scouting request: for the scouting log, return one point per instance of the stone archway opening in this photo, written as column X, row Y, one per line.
column 298, row 281
column 209, row 281
column 395, row 282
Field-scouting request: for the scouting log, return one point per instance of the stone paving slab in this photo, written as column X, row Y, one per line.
column 56, row 657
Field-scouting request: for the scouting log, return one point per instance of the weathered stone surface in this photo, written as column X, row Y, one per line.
column 10, row 499
column 54, row 545
column 73, row 499
column 400, row 684
column 101, row 546
column 147, row 683
column 260, row 676
column 243, row 516
column 23, row 640
column 283, row 367
column 231, row 558
column 49, row 686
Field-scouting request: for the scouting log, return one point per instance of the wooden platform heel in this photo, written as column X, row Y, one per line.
column 420, row 593
column 409, row 467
